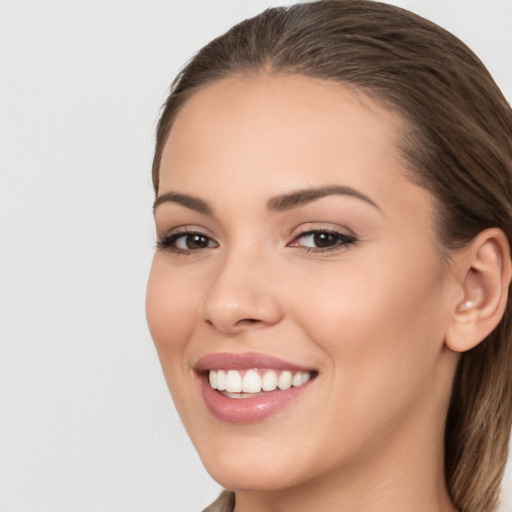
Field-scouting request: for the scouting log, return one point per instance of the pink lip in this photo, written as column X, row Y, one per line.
column 246, row 410
column 228, row 360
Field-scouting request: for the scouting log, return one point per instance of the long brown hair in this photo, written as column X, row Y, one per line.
column 458, row 146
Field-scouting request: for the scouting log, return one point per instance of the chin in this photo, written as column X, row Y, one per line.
column 248, row 476
column 255, row 465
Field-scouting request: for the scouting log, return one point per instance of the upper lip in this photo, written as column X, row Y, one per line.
column 245, row 361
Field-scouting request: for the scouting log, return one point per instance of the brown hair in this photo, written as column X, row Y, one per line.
column 458, row 145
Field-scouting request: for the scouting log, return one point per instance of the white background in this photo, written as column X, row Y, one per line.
column 85, row 420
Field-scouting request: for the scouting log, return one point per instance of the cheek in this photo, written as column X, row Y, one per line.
column 171, row 308
column 383, row 339
column 171, row 311
column 381, row 326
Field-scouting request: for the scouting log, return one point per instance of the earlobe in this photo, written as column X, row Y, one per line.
column 485, row 272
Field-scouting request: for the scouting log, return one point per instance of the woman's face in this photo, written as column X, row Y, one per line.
column 294, row 251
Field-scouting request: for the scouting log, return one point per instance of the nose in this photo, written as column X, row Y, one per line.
column 242, row 296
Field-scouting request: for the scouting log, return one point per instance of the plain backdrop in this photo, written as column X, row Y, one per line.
column 86, row 423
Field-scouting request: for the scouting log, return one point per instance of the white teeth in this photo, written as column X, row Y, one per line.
column 297, row 380
column 212, row 377
column 252, row 381
column 233, row 381
column 221, row 380
column 284, row 381
column 269, row 381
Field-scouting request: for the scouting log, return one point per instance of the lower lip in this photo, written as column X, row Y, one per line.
column 248, row 410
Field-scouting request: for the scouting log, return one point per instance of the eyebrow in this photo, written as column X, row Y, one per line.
column 275, row 204
column 190, row 202
column 294, row 199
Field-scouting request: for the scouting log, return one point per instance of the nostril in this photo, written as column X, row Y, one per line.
column 247, row 321
column 244, row 322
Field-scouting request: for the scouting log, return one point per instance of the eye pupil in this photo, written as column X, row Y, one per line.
column 325, row 239
column 196, row 242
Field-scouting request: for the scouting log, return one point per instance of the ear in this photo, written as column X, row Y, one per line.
column 484, row 273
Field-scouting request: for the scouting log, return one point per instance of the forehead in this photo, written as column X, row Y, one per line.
column 266, row 103
column 271, row 133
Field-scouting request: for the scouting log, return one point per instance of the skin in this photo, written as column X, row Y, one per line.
column 370, row 316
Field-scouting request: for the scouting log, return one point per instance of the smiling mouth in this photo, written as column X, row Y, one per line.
column 249, row 387
column 250, row 383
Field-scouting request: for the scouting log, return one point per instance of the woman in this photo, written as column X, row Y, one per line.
column 329, row 294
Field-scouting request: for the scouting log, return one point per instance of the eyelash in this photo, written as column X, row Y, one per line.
column 167, row 242
column 342, row 240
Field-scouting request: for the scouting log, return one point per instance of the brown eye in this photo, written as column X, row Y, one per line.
column 186, row 242
column 192, row 241
column 323, row 240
